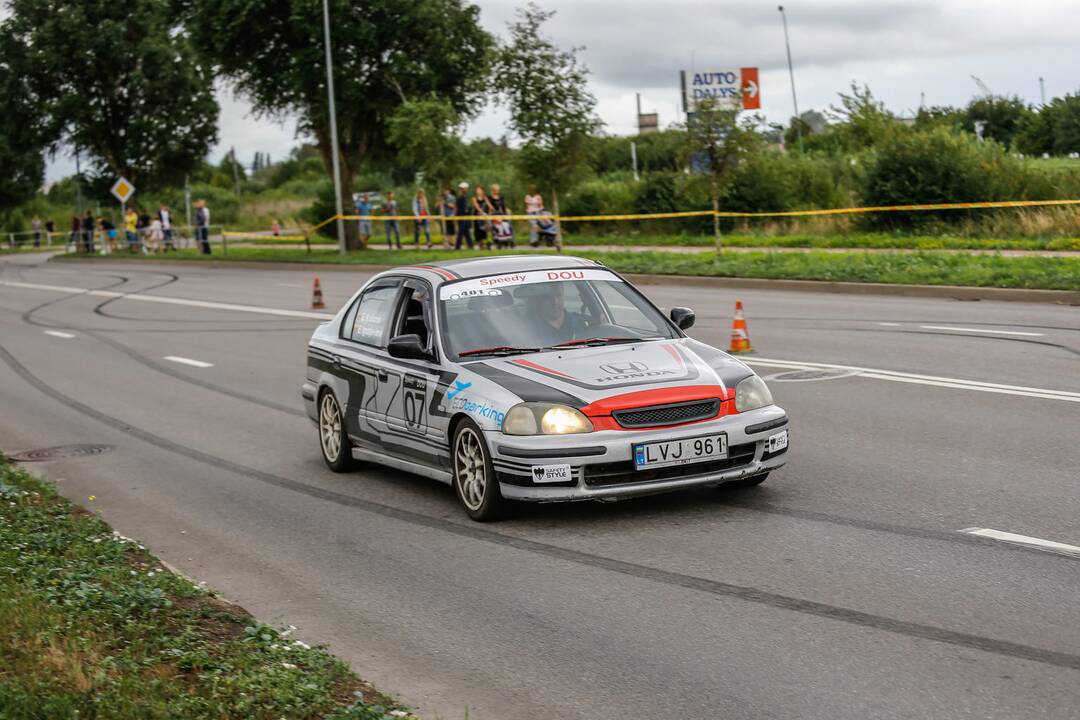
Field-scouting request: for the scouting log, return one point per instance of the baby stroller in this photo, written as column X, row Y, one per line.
column 502, row 232
column 546, row 232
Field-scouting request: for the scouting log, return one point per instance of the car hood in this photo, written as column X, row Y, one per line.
column 592, row 373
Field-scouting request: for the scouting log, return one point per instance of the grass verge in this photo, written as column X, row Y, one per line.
column 92, row 626
column 845, row 240
column 920, row 268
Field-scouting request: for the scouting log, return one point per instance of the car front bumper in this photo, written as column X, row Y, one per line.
column 601, row 464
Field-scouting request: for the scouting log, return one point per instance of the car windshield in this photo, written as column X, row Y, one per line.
column 526, row 312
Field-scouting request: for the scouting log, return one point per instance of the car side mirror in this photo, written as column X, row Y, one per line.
column 407, row 347
column 683, row 317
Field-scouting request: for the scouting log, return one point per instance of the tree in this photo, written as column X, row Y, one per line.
column 1053, row 130
column 551, row 108
column 22, row 137
column 121, row 82
column 385, row 52
column 715, row 141
column 1001, row 117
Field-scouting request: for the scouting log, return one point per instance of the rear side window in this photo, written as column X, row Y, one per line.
column 369, row 320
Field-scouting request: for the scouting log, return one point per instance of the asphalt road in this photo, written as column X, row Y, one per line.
column 842, row 588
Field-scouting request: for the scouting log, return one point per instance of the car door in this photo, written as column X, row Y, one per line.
column 363, row 361
column 409, row 417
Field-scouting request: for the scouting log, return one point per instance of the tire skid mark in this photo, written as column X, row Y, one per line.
column 643, row 572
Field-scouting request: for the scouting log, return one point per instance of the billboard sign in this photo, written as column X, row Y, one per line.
column 739, row 87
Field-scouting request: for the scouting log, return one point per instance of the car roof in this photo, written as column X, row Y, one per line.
column 451, row 270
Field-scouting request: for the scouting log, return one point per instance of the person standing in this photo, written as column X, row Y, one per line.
column 421, row 218
column 88, row 231
column 155, row 235
column 108, row 235
column 448, row 205
column 390, row 209
column 481, row 208
column 462, row 210
column 76, row 232
column 534, row 203
column 202, row 226
column 502, row 230
column 50, row 228
column 35, row 224
column 165, row 216
column 363, row 209
column 131, row 229
column 275, row 228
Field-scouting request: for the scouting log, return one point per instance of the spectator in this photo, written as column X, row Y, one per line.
column 165, row 216
column 461, row 211
column 76, row 231
column 36, row 225
column 143, row 229
column 448, row 204
column 275, row 228
column 50, row 228
column 131, row 229
column 202, row 226
column 502, row 230
column 363, row 209
column 390, row 209
column 88, row 231
column 481, row 208
column 154, row 235
column 108, row 231
column 534, row 203
column 421, row 218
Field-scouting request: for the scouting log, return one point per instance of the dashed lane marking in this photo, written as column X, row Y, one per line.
column 980, row 330
column 188, row 361
column 57, row 333
column 1025, row 540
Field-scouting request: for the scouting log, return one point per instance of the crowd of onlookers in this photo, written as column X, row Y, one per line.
column 142, row 232
column 473, row 219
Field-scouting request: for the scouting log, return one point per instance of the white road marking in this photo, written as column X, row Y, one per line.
column 1026, row 540
column 884, row 324
column 980, row 330
column 188, row 361
column 894, row 376
column 173, row 301
column 59, row 334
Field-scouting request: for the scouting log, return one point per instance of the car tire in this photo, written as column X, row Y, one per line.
column 475, row 483
column 750, row 481
column 333, row 440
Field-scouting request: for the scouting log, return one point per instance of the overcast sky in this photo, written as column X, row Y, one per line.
column 900, row 48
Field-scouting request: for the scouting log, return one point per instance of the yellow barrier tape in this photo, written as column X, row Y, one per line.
column 722, row 213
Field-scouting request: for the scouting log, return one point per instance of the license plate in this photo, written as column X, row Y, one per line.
column 680, row 452
column 778, row 441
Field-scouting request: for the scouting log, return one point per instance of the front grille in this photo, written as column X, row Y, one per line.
column 620, row 473
column 673, row 414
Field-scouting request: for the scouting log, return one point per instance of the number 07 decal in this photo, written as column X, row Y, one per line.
column 414, row 398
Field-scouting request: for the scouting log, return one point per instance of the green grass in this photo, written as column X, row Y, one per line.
column 845, row 240
column 929, row 268
column 91, row 626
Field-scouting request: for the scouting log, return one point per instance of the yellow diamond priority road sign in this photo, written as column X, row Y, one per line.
column 122, row 189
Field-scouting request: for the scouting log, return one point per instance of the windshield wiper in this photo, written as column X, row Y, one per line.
column 500, row 350
column 589, row 342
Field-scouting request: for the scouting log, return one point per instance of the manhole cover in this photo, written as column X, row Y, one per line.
column 809, row 375
column 60, row 452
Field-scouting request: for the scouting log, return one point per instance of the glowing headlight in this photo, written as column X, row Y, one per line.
column 752, row 393
column 544, row 419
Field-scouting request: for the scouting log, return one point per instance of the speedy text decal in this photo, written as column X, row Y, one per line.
column 494, row 285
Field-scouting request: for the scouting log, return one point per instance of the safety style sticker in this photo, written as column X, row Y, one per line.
column 550, row 473
column 475, row 287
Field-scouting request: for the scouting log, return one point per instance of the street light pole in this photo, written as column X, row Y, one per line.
column 333, row 129
column 791, row 73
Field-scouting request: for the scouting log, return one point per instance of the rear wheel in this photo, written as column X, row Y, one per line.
column 474, row 476
column 335, row 445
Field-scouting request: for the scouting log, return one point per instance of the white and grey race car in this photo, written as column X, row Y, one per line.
column 533, row 378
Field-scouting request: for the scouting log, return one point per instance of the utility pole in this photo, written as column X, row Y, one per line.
column 791, row 73
column 633, row 159
column 333, row 129
column 1042, row 90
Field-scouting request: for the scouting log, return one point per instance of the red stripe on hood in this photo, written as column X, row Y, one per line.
column 541, row 368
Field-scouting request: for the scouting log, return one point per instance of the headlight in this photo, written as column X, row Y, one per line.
column 751, row 394
column 535, row 418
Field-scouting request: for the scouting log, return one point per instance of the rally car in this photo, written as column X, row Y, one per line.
column 533, row 378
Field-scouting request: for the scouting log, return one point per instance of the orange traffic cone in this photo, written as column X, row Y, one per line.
column 740, row 337
column 316, row 297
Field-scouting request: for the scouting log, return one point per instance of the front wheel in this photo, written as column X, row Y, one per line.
column 474, row 476
column 335, row 445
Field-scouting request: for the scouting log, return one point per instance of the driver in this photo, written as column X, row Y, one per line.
column 556, row 324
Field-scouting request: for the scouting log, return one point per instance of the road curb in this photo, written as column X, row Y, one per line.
column 955, row 292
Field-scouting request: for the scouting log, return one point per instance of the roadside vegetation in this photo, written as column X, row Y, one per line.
column 92, row 626
column 923, row 267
